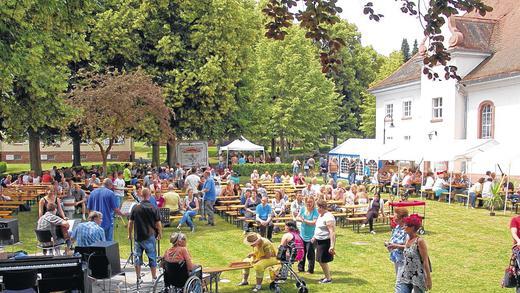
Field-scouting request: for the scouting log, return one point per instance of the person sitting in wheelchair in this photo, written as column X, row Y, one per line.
column 177, row 263
column 291, row 246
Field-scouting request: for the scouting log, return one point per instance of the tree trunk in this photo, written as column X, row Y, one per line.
column 34, row 152
column 273, row 146
column 76, row 150
column 334, row 141
column 156, row 150
column 171, row 153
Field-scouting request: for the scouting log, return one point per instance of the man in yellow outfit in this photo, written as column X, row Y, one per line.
column 262, row 257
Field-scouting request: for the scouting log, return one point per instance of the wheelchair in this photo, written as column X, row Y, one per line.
column 176, row 279
column 287, row 257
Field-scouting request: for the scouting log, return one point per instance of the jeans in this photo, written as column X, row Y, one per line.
column 187, row 218
column 208, row 210
column 310, row 253
column 472, row 199
column 266, row 231
column 148, row 246
column 109, row 233
column 351, row 177
column 439, row 192
column 407, row 288
column 334, row 177
column 296, row 170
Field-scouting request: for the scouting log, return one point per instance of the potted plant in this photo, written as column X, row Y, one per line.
column 495, row 200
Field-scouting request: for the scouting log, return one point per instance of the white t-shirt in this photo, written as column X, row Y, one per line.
column 193, row 181
column 322, row 232
column 119, row 185
column 486, row 189
column 429, row 182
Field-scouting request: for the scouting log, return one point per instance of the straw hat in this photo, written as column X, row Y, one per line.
column 252, row 238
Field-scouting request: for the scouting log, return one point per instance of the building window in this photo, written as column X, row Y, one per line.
column 51, row 157
column 389, row 111
column 437, row 108
column 407, row 137
column 486, row 120
column 83, row 157
column 407, row 109
column 13, row 157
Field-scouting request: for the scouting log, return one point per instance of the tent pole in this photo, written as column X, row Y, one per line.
column 451, row 177
column 398, row 177
column 469, row 185
column 422, row 177
column 227, row 158
column 507, row 189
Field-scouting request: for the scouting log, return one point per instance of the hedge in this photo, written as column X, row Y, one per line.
column 247, row 169
column 112, row 167
column 3, row 167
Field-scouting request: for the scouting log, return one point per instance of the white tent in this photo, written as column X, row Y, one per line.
column 241, row 145
column 501, row 155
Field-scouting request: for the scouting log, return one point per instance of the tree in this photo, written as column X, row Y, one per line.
column 316, row 14
column 39, row 39
column 405, row 50
column 415, row 48
column 196, row 50
column 368, row 116
column 288, row 96
column 354, row 74
column 119, row 105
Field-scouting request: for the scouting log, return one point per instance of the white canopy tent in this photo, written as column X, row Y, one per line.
column 369, row 149
column 438, row 151
column 501, row 155
column 242, row 145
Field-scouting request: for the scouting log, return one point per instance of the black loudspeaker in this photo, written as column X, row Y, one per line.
column 100, row 254
column 11, row 224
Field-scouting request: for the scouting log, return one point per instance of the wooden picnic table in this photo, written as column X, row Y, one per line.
column 228, row 202
column 215, row 272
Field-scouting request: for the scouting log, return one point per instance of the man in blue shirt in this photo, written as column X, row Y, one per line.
column 210, row 195
column 104, row 200
column 87, row 233
column 264, row 216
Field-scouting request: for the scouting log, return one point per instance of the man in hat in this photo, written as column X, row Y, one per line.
column 262, row 257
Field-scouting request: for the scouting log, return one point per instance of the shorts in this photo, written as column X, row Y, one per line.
column 322, row 251
column 147, row 246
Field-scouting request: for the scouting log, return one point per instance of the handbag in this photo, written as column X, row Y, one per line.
column 510, row 280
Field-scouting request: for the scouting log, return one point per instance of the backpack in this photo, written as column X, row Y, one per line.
column 298, row 245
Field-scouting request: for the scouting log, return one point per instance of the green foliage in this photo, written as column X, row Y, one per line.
column 356, row 72
column 286, row 95
column 415, row 48
column 496, row 200
column 196, row 50
column 247, row 169
column 3, row 167
column 405, row 50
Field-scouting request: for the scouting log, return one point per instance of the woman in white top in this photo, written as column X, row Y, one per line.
column 428, row 185
column 255, row 175
column 362, row 199
column 474, row 191
column 278, row 204
column 325, row 239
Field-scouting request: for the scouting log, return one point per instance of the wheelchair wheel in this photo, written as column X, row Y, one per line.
column 193, row 285
column 158, row 285
column 303, row 290
column 300, row 284
column 273, row 286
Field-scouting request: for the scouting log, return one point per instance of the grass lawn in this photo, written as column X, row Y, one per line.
column 468, row 249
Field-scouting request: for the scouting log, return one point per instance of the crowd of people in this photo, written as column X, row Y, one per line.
column 99, row 201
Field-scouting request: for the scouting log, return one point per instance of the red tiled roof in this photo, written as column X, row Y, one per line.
column 496, row 33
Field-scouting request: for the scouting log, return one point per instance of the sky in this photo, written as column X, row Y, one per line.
column 386, row 35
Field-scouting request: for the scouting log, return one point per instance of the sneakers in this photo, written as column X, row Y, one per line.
column 179, row 227
column 192, row 229
column 257, row 289
column 373, row 232
column 325, row 281
column 243, row 283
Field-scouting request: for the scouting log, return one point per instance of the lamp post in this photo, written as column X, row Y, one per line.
column 388, row 118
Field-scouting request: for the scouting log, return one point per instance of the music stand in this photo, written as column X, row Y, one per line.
column 126, row 208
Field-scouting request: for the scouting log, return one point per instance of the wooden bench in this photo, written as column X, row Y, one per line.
column 459, row 196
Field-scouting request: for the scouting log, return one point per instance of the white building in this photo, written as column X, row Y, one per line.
column 483, row 105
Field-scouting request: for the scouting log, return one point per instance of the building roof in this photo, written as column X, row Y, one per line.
column 408, row 72
column 495, row 34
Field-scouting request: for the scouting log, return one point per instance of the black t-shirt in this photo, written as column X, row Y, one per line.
column 144, row 215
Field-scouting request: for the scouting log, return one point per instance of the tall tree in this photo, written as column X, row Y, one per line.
column 196, row 50
column 415, row 48
column 288, row 96
column 39, row 39
column 368, row 116
column 356, row 71
column 405, row 50
column 115, row 106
